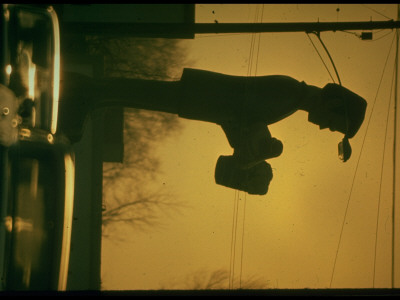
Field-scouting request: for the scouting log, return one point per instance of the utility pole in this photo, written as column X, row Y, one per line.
column 292, row 27
column 394, row 258
column 190, row 29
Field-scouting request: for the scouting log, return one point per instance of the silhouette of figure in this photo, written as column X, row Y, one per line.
column 242, row 106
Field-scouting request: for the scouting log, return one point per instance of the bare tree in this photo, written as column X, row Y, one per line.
column 141, row 210
column 146, row 58
column 218, row 280
column 126, row 194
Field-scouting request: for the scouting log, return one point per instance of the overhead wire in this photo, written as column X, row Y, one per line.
column 370, row 41
column 245, row 196
column 357, row 165
column 322, row 43
column 381, row 178
column 381, row 37
column 380, row 185
column 237, row 193
column 233, row 239
column 374, row 10
column 337, row 75
column 329, row 55
column 242, row 249
column 394, row 151
column 322, row 60
column 235, row 217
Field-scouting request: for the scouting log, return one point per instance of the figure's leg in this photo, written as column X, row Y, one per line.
column 220, row 98
column 246, row 170
column 81, row 94
column 153, row 95
column 199, row 95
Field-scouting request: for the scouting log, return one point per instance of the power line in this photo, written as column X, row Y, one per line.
column 236, row 200
column 322, row 60
column 358, row 162
column 241, row 257
column 394, row 150
column 366, row 40
column 233, row 239
column 259, row 41
column 380, row 182
column 374, row 10
column 245, row 196
column 329, row 55
column 237, row 193
column 381, row 37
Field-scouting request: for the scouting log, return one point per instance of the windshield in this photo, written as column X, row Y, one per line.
column 168, row 224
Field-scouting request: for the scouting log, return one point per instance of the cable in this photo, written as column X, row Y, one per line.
column 380, row 182
column 241, row 257
column 236, row 195
column 381, row 37
column 245, row 196
column 349, row 32
column 337, row 74
column 259, row 41
column 355, row 173
column 394, row 151
column 371, row 41
column 233, row 240
column 329, row 55
column 236, row 208
column 326, row 67
column 234, row 243
column 340, row 83
column 374, row 10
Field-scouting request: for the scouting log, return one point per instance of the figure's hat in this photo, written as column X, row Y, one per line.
column 355, row 106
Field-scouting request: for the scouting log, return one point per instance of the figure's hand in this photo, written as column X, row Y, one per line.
column 8, row 117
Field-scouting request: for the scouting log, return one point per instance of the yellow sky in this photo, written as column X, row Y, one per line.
column 291, row 235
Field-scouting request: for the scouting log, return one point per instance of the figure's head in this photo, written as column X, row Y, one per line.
column 339, row 109
column 8, row 117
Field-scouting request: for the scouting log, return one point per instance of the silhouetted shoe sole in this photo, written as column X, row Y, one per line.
column 254, row 180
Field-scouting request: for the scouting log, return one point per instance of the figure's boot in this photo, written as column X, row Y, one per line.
column 81, row 94
column 252, row 143
column 254, row 180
